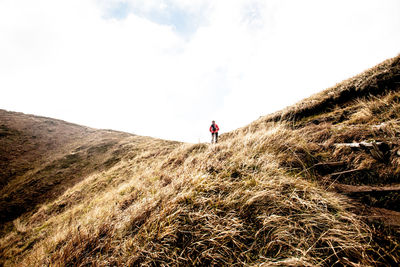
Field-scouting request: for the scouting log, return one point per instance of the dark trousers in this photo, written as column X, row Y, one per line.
column 214, row 137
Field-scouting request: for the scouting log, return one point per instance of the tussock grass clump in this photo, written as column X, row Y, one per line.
column 224, row 224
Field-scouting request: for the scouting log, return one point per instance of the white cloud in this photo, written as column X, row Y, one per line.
column 140, row 73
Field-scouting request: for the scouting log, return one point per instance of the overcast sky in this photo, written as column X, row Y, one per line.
column 166, row 68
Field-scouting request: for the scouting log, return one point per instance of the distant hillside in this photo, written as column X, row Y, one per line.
column 314, row 184
column 43, row 157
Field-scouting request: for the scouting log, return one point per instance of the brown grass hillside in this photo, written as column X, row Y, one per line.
column 314, row 184
column 43, row 157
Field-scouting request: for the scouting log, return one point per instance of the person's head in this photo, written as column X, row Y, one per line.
column 213, row 122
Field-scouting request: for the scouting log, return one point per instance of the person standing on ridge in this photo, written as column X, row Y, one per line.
column 214, row 132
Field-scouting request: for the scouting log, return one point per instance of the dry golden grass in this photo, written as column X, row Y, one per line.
column 257, row 198
column 197, row 205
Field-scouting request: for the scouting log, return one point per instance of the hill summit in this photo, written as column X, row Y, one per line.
column 314, row 184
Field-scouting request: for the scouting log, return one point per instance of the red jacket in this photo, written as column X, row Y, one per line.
column 216, row 128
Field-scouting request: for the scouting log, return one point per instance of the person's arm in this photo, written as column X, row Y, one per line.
column 210, row 128
column 216, row 128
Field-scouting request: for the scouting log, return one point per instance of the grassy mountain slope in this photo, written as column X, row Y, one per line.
column 42, row 157
column 284, row 190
